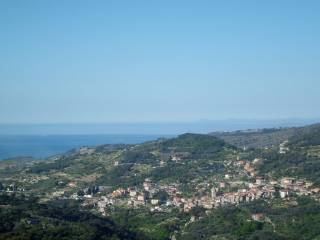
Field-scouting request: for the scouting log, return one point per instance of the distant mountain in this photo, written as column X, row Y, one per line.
column 261, row 138
column 150, row 128
column 306, row 136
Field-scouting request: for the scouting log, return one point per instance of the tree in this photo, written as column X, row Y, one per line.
column 80, row 193
column 162, row 196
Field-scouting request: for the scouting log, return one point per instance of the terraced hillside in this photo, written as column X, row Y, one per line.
column 261, row 138
column 194, row 186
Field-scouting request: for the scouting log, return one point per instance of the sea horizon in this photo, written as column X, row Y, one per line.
column 150, row 128
column 46, row 140
column 47, row 145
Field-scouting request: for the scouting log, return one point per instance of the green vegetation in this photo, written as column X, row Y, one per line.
column 157, row 226
column 36, row 202
column 50, row 166
column 279, row 222
column 262, row 138
column 24, row 218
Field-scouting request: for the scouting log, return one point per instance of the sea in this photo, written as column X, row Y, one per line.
column 45, row 140
column 43, row 146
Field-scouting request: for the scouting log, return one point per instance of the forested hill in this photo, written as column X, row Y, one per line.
column 261, row 138
column 25, row 218
column 300, row 158
column 307, row 136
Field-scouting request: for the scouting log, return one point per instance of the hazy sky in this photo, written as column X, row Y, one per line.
column 128, row 61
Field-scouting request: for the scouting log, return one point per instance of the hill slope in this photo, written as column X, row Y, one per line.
column 194, row 186
column 262, row 138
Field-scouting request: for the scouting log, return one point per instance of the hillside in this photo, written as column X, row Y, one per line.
column 179, row 159
column 261, row 138
column 301, row 158
column 24, row 218
column 181, row 162
column 194, row 186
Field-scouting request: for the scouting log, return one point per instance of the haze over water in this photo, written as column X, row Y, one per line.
column 41, row 146
column 44, row 140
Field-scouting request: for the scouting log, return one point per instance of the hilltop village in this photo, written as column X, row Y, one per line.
column 240, row 184
column 173, row 188
column 160, row 198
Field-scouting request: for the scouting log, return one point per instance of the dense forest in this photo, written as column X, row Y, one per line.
column 25, row 218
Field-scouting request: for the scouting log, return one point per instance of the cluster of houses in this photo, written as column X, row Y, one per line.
column 259, row 188
column 299, row 187
column 147, row 195
column 218, row 198
column 10, row 188
column 287, row 186
column 211, row 195
column 283, row 147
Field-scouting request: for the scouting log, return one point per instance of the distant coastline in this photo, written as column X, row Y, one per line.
column 149, row 128
column 45, row 140
column 43, row 146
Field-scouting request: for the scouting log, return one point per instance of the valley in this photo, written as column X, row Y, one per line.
column 171, row 188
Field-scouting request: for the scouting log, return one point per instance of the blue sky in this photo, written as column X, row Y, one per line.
column 158, row 61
